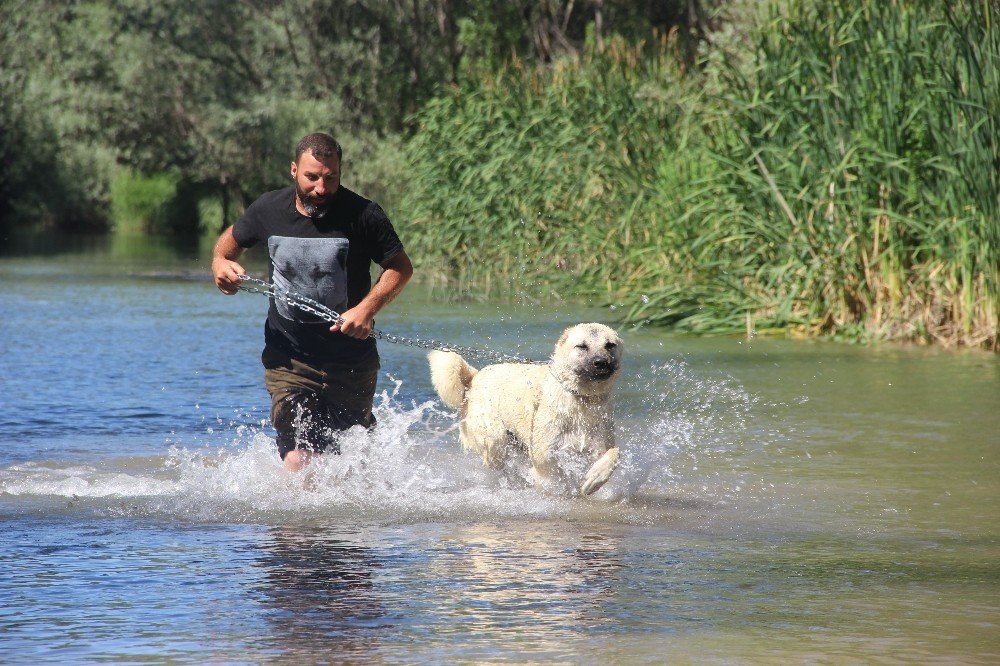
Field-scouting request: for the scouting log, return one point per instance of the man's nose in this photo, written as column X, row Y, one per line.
column 320, row 188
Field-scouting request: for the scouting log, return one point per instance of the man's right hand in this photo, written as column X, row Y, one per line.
column 227, row 274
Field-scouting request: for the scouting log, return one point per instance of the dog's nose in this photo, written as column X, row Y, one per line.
column 601, row 363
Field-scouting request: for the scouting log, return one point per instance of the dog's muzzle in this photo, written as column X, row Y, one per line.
column 600, row 368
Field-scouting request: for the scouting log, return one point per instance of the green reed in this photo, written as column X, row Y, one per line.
column 533, row 177
column 858, row 193
column 843, row 181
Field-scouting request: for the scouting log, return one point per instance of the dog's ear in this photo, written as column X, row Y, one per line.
column 562, row 338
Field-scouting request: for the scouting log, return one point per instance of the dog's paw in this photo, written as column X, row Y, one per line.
column 600, row 472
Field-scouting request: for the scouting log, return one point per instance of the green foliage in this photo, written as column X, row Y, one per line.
column 142, row 203
column 161, row 204
column 856, row 192
column 210, row 216
column 219, row 92
column 542, row 174
column 842, row 181
column 832, row 171
column 45, row 180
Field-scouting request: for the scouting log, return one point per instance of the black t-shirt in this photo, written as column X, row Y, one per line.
column 327, row 259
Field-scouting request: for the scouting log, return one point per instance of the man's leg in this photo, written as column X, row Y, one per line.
column 296, row 459
column 349, row 391
column 311, row 404
column 297, row 412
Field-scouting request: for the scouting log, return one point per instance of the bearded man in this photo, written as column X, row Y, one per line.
column 321, row 239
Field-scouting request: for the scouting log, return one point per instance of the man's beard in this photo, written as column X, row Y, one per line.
column 312, row 207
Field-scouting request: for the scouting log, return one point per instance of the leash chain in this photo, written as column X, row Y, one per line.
column 254, row 286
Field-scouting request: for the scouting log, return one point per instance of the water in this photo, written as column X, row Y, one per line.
column 778, row 501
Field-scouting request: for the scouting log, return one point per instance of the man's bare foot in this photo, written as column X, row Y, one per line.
column 297, row 459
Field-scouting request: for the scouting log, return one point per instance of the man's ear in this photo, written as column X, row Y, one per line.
column 294, row 169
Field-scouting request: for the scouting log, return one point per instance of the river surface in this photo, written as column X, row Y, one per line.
column 778, row 501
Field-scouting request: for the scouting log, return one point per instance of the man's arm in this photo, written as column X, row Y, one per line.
column 359, row 321
column 224, row 266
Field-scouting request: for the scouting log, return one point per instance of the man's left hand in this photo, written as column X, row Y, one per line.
column 354, row 324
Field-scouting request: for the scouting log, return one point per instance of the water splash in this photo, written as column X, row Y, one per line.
column 411, row 468
column 684, row 435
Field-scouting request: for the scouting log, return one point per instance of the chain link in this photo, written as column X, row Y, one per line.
column 255, row 286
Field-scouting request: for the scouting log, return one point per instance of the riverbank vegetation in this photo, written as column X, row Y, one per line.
column 839, row 179
column 821, row 168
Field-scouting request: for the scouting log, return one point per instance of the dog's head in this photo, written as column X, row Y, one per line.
column 588, row 358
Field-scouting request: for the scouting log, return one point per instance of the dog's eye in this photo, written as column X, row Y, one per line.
column 610, row 345
column 582, row 345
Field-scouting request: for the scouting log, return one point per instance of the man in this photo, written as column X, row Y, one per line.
column 321, row 239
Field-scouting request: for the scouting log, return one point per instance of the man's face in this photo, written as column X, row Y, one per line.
column 316, row 181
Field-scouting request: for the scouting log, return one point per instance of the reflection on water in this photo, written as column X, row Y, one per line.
column 318, row 594
column 93, row 247
column 120, row 254
column 522, row 579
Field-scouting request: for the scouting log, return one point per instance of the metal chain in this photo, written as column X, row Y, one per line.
column 255, row 286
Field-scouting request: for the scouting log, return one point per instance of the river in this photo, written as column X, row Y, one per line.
column 778, row 501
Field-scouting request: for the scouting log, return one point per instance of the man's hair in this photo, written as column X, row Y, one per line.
column 321, row 145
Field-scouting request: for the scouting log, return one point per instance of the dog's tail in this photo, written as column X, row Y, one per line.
column 451, row 377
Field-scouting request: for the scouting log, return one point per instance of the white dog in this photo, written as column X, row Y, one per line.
column 554, row 413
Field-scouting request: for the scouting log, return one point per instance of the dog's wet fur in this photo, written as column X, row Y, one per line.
column 552, row 413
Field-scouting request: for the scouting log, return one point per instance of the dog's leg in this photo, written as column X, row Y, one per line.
column 549, row 440
column 546, row 471
column 488, row 438
column 600, row 472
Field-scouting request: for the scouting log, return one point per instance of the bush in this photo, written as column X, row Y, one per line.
column 159, row 204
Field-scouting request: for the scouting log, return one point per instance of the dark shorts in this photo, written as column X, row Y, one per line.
column 311, row 403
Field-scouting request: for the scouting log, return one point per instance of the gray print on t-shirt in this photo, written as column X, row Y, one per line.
column 313, row 267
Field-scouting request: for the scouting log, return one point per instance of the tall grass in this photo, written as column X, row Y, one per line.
column 857, row 192
column 844, row 183
column 162, row 204
column 142, row 203
column 539, row 175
